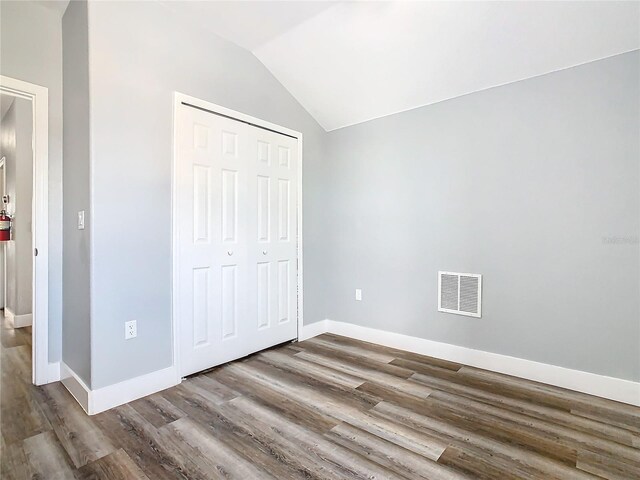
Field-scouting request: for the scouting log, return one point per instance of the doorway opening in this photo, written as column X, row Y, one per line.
column 24, row 224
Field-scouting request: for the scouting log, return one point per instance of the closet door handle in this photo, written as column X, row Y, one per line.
column 230, row 252
column 264, row 252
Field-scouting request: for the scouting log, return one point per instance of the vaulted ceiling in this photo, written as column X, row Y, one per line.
column 348, row 62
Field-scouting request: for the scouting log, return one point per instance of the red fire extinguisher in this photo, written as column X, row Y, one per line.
column 5, row 226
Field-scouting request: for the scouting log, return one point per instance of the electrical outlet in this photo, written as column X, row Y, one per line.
column 130, row 329
column 358, row 294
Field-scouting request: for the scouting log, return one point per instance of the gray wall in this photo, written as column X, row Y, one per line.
column 76, row 339
column 139, row 54
column 31, row 50
column 17, row 128
column 533, row 184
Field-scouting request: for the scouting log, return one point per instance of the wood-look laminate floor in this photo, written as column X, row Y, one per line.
column 329, row 408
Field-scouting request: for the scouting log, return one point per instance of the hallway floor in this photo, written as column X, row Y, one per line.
column 329, row 407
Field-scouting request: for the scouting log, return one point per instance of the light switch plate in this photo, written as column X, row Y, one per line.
column 358, row 294
column 81, row 220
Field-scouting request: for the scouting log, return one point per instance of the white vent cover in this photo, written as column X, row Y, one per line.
column 460, row 293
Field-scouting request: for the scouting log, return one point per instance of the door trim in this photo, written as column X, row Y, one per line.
column 178, row 99
column 39, row 97
column 3, row 262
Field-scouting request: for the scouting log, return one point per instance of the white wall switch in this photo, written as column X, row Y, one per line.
column 358, row 294
column 81, row 220
column 130, row 329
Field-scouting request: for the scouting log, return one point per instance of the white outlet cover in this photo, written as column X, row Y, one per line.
column 130, row 329
column 358, row 294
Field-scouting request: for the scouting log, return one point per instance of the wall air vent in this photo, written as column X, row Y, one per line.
column 460, row 293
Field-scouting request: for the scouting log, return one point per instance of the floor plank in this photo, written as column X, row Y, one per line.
column 526, row 461
column 390, row 455
column 82, row 439
column 115, row 466
column 157, row 410
column 525, row 406
column 47, row 458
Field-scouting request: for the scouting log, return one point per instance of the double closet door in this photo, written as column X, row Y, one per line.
column 236, row 239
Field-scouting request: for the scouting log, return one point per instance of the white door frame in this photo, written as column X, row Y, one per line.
column 3, row 262
column 178, row 99
column 39, row 97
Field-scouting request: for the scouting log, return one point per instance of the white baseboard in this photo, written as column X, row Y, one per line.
column 53, row 372
column 25, row 320
column 101, row 399
column 120, row 393
column 75, row 385
column 313, row 330
column 600, row 385
column 18, row 321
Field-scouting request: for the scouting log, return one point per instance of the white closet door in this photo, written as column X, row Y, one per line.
column 236, row 285
column 271, row 244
